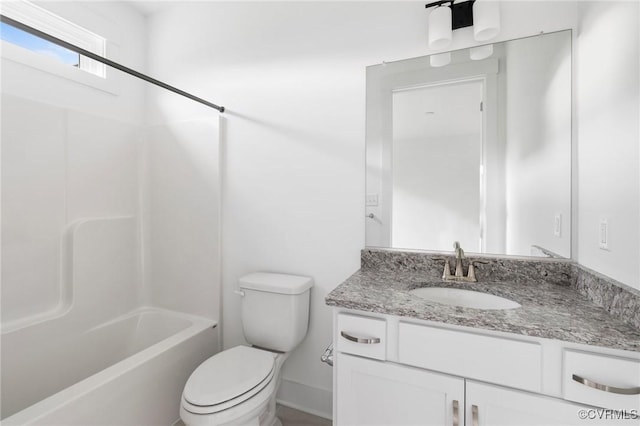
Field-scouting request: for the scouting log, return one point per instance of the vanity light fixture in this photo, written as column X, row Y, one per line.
column 447, row 15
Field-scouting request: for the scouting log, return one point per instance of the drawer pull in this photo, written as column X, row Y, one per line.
column 474, row 415
column 605, row 388
column 456, row 417
column 365, row 340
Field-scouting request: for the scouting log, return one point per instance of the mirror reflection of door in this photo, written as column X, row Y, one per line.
column 436, row 168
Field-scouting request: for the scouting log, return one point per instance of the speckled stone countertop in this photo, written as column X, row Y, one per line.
column 548, row 309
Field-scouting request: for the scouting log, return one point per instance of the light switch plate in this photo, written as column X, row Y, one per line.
column 557, row 225
column 603, row 236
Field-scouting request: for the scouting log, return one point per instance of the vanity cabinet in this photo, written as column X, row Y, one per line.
column 392, row 372
column 384, row 393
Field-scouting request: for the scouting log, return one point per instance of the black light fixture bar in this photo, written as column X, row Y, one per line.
column 438, row 3
column 105, row 61
column 461, row 13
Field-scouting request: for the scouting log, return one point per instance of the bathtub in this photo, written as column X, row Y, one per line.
column 129, row 371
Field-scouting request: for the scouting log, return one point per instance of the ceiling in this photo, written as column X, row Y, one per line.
column 149, row 7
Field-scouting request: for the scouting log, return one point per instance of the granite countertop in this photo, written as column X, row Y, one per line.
column 547, row 310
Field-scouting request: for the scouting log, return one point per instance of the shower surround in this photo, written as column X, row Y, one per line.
column 110, row 237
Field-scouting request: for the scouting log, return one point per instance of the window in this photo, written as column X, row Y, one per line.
column 43, row 20
column 34, row 43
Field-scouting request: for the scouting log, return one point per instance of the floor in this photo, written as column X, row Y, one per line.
column 293, row 417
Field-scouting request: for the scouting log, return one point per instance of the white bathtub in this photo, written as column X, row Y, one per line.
column 129, row 371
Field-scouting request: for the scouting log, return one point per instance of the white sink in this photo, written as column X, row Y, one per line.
column 464, row 298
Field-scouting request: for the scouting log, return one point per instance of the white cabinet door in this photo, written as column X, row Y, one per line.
column 489, row 405
column 381, row 393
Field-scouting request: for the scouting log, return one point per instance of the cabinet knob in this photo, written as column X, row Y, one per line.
column 365, row 340
column 606, row 388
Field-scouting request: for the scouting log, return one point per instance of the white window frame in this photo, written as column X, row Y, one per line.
column 89, row 72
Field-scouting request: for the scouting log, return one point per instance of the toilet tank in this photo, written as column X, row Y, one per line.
column 275, row 309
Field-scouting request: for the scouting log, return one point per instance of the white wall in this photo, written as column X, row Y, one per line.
column 182, row 215
column 292, row 75
column 608, row 127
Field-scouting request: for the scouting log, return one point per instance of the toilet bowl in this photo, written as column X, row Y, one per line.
column 243, row 393
column 238, row 386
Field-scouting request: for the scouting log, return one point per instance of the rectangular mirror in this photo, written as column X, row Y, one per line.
column 475, row 150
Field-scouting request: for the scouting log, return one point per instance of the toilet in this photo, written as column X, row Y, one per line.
column 238, row 386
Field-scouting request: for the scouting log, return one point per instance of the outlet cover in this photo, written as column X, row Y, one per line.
column 557, row 225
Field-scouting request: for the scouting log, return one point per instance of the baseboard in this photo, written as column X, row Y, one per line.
column 306, row 398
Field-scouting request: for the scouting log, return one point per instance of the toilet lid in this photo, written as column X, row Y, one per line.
column 227, row 375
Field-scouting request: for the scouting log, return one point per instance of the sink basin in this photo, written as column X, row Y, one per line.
column 464, row 298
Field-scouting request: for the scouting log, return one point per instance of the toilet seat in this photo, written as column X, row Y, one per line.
column 228, row 379
column 215, row 408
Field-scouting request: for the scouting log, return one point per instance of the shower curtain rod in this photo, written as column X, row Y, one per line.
column 105, row 61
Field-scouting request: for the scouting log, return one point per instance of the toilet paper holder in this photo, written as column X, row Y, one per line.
column 327, row 355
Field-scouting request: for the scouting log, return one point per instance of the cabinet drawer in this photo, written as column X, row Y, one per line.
column 363, row 336
column 619, row 377
column 508, row 362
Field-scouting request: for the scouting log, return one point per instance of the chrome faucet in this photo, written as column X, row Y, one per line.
column 459, row 274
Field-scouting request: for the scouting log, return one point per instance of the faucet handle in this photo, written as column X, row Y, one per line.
column 471, row 274
column 446, row 273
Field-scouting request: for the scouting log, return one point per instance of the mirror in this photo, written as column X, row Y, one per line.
column 476, row 151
